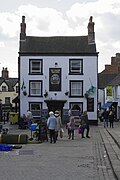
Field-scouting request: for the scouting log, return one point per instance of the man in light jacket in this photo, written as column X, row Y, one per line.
column 52, row 123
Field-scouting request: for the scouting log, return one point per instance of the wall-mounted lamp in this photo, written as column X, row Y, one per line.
column 56, row 64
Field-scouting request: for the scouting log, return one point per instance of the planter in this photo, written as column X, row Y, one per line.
column 24, row 93
column 86, row 95
column 66, row 93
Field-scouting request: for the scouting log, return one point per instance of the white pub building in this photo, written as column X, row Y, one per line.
column 58, row 73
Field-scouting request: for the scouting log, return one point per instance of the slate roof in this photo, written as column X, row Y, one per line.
column 11, row 82
column 57, row 45
column 105, row 79
column 115, row 81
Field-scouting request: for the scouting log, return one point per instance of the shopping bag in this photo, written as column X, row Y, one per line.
column 80, row 130
column 61, row 132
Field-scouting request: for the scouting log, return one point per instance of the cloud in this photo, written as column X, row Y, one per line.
column 2, row 45
column 9, row 24
column 44, row 21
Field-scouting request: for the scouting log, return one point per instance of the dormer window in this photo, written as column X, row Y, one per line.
column 4, row 89
column 17, row 89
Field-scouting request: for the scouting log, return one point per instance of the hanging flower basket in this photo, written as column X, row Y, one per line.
column 86, row 95
column 25, row 93
column 66, row 93
column 46, row 94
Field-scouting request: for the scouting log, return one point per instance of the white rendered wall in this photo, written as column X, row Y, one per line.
column 89, row 76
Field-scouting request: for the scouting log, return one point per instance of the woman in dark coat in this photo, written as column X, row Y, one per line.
column 85, row 124
column 111, row 118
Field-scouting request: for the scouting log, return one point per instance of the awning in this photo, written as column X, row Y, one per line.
column 105, row 106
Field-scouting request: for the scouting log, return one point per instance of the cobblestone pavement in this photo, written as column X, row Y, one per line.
column 111, row 142
column 78, row 159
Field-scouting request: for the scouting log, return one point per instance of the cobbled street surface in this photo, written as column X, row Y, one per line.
column 78, row 159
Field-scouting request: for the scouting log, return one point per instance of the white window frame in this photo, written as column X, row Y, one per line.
column 35, row 88
column 76, row 66
column 38, row 67
column 76, row 88
column 36, row 113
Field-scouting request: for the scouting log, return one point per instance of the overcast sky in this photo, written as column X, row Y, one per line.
column 58, row 18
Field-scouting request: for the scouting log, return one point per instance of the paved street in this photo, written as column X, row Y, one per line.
column 84, row 159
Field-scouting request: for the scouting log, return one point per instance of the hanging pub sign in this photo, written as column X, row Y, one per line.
column 55, row 79
column 90, row 104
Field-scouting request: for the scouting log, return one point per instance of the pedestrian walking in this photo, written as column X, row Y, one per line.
column 71, row 127
column 51, row 124
column 69, row 113
column 111, row 118
column 29, row 118
column 59, row 123
column 85, row 124
column 105, row 115
column 68, row 120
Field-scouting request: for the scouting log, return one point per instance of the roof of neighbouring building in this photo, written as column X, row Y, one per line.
column 57, row 45
column 105, row 79
column 11, row 82
column 115, row 81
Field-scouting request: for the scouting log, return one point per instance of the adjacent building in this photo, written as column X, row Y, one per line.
column 58, row 73
column 8, row 91
column 108, row 85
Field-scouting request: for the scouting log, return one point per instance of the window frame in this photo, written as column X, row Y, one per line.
column 36, row 95
column 76, row 72
column 7, row 98
column 38, row 114
column 76, row 103
column 31, row 71
column 17, row 89
column 4, row 89
column 77, row 95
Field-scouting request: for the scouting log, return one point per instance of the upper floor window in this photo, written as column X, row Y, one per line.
column 35, row 88
column 4, row 88
column 76, row 88
column 35, row 66
column 17, row 89
column 7, row 100
column 76, row 66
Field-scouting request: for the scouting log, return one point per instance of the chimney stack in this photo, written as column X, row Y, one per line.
column 23, row 29
column 91, row 33
column 5, row 73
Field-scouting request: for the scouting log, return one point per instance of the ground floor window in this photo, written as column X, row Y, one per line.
column 77, row 107
column 35, row 108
